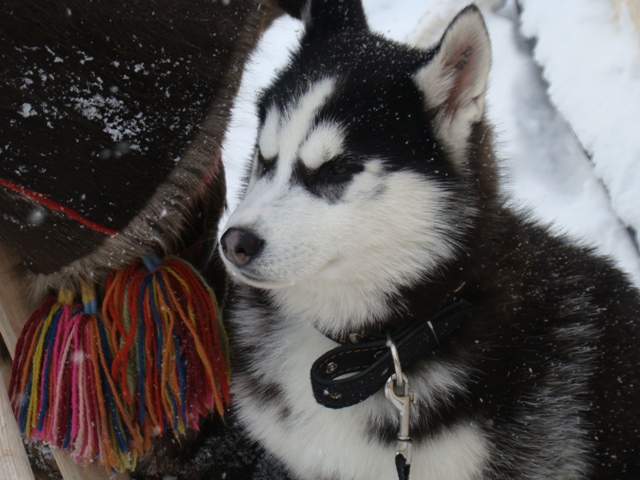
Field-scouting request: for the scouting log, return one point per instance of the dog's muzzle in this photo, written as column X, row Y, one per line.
column 240, row 246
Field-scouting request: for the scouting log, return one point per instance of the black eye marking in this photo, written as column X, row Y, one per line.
column 340, row 170
column 330, row 180
column 264, row 166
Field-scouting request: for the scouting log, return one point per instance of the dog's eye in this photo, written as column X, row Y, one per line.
column 340, row 171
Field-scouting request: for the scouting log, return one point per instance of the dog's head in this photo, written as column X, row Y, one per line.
column 366, row 166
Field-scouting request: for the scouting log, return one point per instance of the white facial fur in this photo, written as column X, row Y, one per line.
column 387, row 230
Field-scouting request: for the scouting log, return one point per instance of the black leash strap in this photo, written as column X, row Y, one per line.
column 402, row 467
column 365, row 367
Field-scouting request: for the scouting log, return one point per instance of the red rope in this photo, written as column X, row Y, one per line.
column 58, row 207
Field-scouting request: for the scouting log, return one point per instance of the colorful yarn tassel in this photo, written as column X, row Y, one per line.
column 102, row 386
column 61, row 385
column 172, row 350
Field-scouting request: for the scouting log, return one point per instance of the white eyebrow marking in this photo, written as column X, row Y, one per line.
column 325, row 142
column 299, row 119
column 268, row 139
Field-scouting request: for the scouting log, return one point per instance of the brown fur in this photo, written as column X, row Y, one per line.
column 145, row 196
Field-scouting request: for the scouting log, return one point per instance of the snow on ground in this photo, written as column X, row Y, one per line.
column 593, row 69
column 546, row 168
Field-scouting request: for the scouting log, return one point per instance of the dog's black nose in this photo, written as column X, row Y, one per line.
column 240, row 246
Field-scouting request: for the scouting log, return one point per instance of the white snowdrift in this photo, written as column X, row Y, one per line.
column 591, row 60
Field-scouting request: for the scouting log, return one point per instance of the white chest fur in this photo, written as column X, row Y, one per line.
column 322, row 443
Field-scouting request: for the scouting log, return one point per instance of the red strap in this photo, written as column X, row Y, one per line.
column 58, row 207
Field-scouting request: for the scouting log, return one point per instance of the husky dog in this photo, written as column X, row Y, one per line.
column 372, row 205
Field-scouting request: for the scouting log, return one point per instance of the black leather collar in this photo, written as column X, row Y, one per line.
column 366, row 366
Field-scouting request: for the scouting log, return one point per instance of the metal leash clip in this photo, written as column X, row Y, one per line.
column 398, row 393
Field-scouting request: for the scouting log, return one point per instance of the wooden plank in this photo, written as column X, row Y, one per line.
column 15, row 307
column 14, row 463
column 13, row 458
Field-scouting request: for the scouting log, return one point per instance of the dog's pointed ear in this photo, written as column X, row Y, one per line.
column 327, row 15
column 454, row 82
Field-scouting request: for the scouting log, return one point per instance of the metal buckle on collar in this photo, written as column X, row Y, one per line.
column 399, row 394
